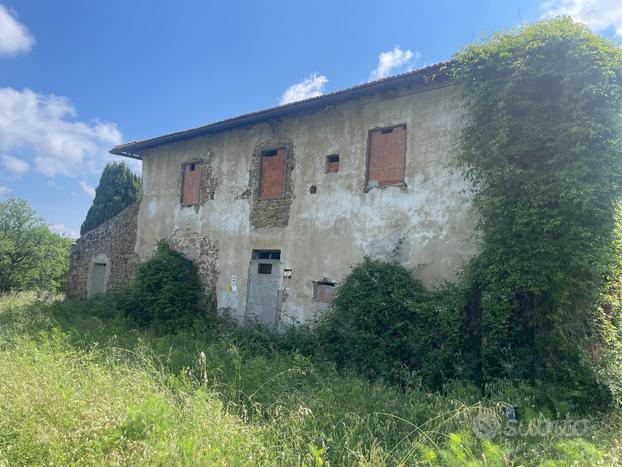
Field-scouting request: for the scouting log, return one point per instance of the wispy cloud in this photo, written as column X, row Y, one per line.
column 600, row 15
column 4, row 190
column 312, row 86
column 62, row 229
column 55, row 186
column 14, row 165
column 393, row 61
column 47, row 125
column 14, row 36
column 88, row 189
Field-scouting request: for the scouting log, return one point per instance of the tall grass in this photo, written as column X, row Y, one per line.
column 80, row 384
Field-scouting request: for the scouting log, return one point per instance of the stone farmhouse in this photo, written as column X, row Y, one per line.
column 276, row 206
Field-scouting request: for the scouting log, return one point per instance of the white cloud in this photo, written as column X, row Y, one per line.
column 14, row 36
column 13, row 164
column 47, row 124
column 88, row 189
column 62, row 229
column 312, row 86
column 392, row 61
column 4, row 190
column 600, row 15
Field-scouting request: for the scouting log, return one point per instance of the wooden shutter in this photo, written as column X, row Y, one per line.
column 387, row 156
column 272, row 182
column 192, row 178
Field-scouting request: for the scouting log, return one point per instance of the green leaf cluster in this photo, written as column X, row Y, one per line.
column 118, row 188
column 31, row 256
column 166, row 292
column 385, row 324
column 542, row 150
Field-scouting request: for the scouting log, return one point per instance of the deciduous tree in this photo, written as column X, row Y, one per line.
column 31, row 256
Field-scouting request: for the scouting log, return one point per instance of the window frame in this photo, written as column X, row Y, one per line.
column 269, row 255
column 318, row 285
column 368, row 156
column 328, row 162
column 262, row 154
column 197, row 163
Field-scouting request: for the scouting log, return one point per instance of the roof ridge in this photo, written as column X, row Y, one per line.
column 128, row 149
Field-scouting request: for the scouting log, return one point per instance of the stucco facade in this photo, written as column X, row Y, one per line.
column 275, row 252
column 329, row 231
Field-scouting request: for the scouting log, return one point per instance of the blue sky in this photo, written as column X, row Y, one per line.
column 78, row 77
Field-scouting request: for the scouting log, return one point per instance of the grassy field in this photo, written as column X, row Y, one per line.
column 79, row 384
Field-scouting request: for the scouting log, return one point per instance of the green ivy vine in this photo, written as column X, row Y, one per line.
column 542, row 151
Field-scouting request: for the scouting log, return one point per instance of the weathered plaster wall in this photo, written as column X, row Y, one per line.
column 112, row 243
column 328, row 232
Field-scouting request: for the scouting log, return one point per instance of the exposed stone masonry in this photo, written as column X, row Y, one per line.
column 202, row 251
column 208, row 182
column 267, row 213
column 114, row 240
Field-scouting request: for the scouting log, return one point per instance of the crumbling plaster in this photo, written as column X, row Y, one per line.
column 330, row 231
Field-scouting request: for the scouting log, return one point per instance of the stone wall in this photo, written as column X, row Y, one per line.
column 111, row 244
column 207, row 181
column 269, row 213
column 202, row 251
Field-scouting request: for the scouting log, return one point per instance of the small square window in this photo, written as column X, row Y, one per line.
column 323, row 291
column 264, row 268
column 332, row 163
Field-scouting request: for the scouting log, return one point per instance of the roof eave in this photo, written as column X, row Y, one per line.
column 136, row 149
column 117, row 151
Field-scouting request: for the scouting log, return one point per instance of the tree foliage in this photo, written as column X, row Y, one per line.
column 542, row 149
column 118, row 188
column 31, row 257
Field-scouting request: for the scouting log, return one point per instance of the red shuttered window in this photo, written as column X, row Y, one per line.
column 387, row 156
column 190, row 187
column 272, row 179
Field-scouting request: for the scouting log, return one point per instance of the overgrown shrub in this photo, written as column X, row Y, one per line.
column 166, row 291
column 385, row 324
column 542, row 148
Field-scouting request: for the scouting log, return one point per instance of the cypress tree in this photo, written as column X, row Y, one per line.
column 118, row 188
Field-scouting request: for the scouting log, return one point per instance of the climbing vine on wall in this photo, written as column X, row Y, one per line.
column 542, row 150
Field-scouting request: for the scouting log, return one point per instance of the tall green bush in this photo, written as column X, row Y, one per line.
column 166, row 291
column 542, row 149
column 385, row 324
